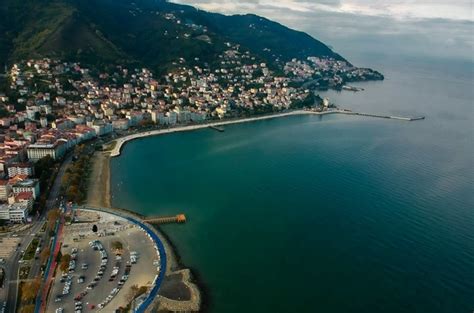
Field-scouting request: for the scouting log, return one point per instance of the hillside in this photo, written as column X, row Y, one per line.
column 151, row 32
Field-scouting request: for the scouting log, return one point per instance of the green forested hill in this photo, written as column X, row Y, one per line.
column 151, row 32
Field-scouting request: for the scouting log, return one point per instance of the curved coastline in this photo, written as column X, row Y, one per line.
column 101, row 201
column 102, row 198
column 121, row 141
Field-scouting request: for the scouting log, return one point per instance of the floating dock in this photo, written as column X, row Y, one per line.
column 180, row 218
column 218, row 128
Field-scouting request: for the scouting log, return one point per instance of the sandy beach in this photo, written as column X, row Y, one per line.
column 98, row 192
column 99, row 196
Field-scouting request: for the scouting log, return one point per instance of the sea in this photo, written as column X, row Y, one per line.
column 325, row 213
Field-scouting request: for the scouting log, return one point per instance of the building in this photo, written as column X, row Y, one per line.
column 62, row 124
column 102, row 128
column 121, row 124
column 16, row 212
column 43, row 121
column 5, row 190
column 27, row 185
column 21, row 169
column 40, row 150
column 23, row 197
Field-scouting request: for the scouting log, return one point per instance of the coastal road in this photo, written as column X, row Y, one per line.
column 51, row 202
column 13, row 264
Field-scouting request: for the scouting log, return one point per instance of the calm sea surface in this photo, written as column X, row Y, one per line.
column 325, row 214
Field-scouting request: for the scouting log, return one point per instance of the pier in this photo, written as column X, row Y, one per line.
column 352, row 88
column 180, row 218
column 218, row 128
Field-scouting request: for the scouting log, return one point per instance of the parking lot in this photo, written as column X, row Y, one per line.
column 9, row 245
column 99, row 275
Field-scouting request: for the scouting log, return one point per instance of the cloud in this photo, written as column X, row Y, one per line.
column 410, row 27
column 398, row 9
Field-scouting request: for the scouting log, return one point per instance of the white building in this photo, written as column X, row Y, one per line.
column 172, row 118
column 16, row 212
column 122, row 124
column 5, row 190
column 40, row 150
column 20, row 169
column 43, row 121
column 28, row 185
column 102, row 129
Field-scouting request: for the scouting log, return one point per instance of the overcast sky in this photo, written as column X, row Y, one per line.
column 450, row 9
column 422, row 27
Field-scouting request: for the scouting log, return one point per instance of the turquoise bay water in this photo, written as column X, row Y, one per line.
column 325, row 214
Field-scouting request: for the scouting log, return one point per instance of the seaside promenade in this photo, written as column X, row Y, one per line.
column 121, row 141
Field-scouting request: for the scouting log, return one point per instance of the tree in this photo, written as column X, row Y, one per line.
column 117, row 245
column 30, row 289
column 43, row 165
column 53, row 216
column 132, row 293
column 44, row 255
column 30, row 308
column 64, row 265
column 94, row 228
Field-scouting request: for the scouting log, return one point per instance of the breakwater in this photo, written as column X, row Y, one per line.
column 401, row 118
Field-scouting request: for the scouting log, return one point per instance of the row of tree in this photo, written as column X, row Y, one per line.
column 74, row 180
column 45, row 171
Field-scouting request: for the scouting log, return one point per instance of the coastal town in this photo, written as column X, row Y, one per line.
column 50, row 106
column 54, row 115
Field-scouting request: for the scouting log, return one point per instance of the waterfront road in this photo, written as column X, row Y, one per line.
column 51, row 202
column 13, row 264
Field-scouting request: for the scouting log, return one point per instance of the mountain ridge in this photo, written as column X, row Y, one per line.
column 148, row 32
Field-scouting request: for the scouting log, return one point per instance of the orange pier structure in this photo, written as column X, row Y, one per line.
column 180, row 218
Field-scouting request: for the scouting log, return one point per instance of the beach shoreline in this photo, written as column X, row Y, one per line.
column 120, row 142
column 99, row 195
column 98, row 191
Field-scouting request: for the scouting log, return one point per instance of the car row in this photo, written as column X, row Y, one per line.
column 67, row 285
column 78, row 307
column 133, row 257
